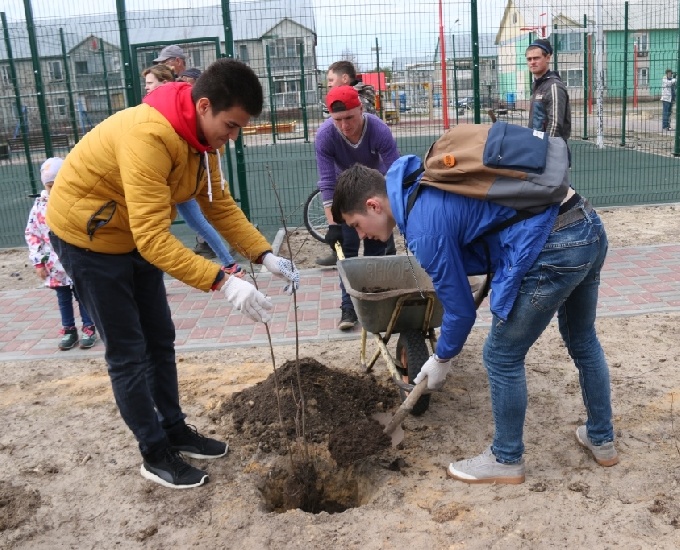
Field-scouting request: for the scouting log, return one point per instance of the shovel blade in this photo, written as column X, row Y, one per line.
column 397, row 434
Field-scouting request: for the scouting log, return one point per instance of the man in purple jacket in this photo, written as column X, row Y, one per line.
column 350, row 137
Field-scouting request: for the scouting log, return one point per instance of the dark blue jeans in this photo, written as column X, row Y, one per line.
column 126, row 297
column 65, row 295
column 350, row 248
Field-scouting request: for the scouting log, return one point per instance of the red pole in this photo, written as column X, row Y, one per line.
column 445, row 101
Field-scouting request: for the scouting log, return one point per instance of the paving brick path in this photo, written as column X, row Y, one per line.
column 636, row 280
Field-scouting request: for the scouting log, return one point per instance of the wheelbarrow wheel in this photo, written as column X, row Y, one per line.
column 413, row 353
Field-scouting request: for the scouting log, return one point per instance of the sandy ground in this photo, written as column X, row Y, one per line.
column 70, row 469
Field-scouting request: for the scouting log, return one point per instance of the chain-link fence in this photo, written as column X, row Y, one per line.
column 432, row 64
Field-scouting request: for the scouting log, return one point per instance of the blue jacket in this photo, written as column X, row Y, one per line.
column 439, row 232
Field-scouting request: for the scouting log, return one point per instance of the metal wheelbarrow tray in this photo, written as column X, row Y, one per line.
column 393, row 294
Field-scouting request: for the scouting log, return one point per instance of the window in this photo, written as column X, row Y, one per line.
column 243, row 53
column 194, row 58
column 571, row 42
column 81, row 67
column 55, row 71
column 573, row 78
column 5, row 75
column 642, row 77
column 642, row 44
column 285, row 47
column 61, row 106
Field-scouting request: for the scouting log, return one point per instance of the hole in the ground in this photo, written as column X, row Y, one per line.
column 315, row 487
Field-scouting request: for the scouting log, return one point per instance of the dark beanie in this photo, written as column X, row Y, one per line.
column 543, row 44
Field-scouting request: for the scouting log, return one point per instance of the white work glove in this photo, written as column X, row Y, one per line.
column 284, row 269
column 436, row 372
column 247, row 299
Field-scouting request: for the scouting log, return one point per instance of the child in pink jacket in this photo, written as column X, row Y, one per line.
column 49, row 268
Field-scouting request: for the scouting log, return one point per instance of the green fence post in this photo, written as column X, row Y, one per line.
column 37, row 73
column 676, row 151
column 455, row 74
column 624, row 91
column 377, row 68
column 106, row 77
column 584, row 135
column 474, row 39
column 69, row 88
column 125, row 52
column 238, row 145
column 17, row 96
column 303, row 93
column 272, row 107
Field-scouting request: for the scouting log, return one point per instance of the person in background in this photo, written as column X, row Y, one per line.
column 190, row 75
column 174, row 57
column 190, row 211
column 343, row 73
column 668, row 83
column 156, row 76
column 351, row 136
column 549, row 110
column 110, row 213
column 49, row 268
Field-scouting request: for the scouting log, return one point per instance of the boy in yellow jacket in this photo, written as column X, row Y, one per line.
column 110, row 212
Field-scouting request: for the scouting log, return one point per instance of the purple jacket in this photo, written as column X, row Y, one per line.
column 376, row 149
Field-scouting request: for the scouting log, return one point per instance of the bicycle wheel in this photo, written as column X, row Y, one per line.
column 315, row 216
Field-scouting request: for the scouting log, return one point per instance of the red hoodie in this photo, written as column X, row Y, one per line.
column 173, row 101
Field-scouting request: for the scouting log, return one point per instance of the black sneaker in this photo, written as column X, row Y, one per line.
column 203, row 249
column 348, row 319
column 188, row 441
column 170, row 470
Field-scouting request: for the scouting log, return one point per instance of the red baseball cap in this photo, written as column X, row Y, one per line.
column 346, row 95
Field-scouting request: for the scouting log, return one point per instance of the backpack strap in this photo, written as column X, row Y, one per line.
column 512, row 220
column 409, row 180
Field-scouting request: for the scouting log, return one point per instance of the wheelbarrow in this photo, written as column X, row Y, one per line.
column 394, row 295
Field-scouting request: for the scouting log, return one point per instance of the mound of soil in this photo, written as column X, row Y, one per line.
column 338, row 407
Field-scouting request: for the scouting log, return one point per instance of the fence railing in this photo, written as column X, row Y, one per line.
column 61, row 73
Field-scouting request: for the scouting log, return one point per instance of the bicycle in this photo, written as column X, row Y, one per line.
column 314, row 216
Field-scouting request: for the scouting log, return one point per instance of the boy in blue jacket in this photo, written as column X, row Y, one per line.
column 546, row 264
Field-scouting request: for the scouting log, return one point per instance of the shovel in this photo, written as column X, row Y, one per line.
column 393, row 423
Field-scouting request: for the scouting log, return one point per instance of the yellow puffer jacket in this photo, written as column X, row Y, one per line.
column 126, row 199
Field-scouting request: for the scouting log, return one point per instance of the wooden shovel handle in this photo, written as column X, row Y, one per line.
column 406, row 407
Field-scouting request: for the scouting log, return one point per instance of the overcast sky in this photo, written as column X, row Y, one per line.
column 404, row 28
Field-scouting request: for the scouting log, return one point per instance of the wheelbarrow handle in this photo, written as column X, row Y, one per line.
column 406, row 407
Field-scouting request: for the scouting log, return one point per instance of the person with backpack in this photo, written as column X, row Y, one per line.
column 544, row 264
column 351, row 136
column 549, row 109
column 110, row 213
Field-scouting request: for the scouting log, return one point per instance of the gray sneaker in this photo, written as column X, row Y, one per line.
column 485, row 468
column 605, row 454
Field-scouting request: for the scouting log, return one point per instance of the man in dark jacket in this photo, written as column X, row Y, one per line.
column 546, row 264
column 549, row 110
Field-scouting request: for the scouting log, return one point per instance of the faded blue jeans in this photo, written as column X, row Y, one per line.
column 563, row 280
column 192, row 214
